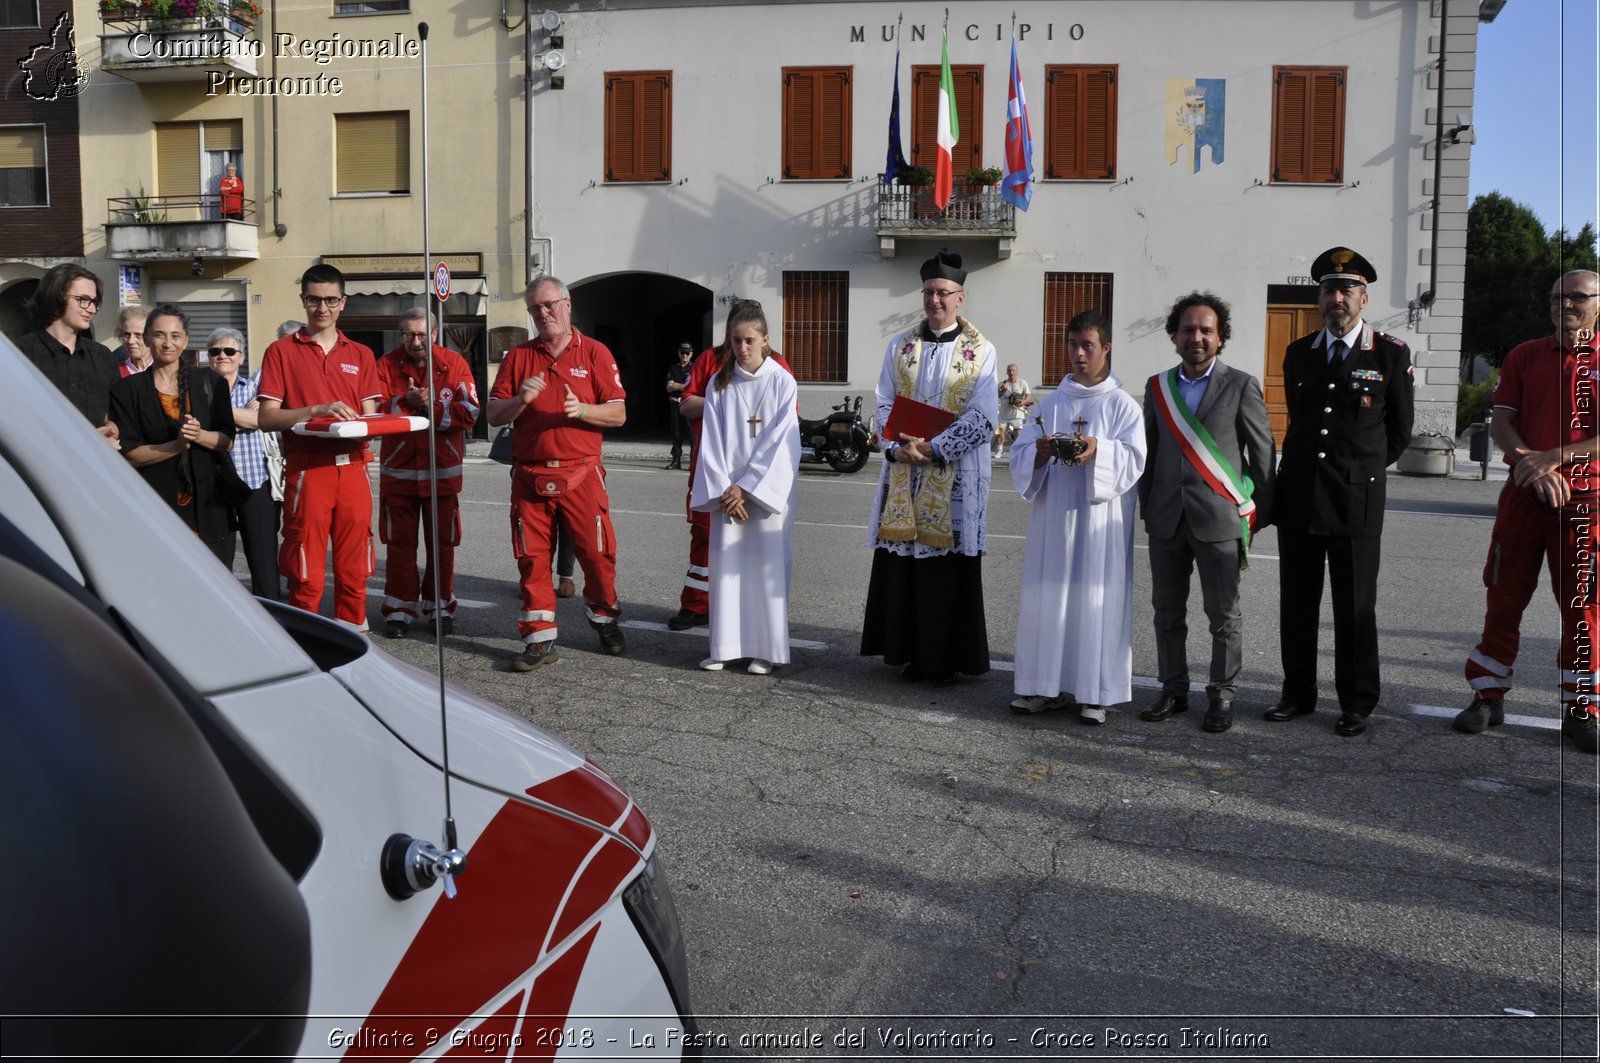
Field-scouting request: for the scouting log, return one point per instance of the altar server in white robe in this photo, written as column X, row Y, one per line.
column 1075, row 630
column 745, row 478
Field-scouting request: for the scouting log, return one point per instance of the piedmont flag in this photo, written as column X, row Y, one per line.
column 1016, row 186
column 896, row 160
column 949, row 132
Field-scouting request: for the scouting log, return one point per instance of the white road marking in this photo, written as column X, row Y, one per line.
column 1513, row 719
column 464, row 603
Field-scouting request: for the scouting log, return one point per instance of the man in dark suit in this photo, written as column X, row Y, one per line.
column 1206, row 483
column 1349, row 391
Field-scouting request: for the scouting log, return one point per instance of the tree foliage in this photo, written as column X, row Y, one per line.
column 1511, row 264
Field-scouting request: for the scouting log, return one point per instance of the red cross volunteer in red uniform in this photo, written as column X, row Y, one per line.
column 1545, row 421
column 321, row 372
column 561, row 390
column 451, row 402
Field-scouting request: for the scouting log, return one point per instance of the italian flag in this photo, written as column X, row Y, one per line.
column 949, row 132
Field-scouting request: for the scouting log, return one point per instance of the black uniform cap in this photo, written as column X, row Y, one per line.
column 946, row 265
column 1340, row 267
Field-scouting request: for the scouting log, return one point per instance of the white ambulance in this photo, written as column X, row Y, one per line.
column 228, row 820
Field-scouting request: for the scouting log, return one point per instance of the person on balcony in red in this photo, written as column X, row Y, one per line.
column 231, row 189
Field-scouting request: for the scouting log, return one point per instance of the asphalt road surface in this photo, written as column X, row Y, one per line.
column 867, row 868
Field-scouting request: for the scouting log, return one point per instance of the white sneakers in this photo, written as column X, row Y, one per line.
column 1093, row 715
column 757, row 666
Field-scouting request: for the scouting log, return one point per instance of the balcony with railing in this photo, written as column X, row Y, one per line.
column 179, row 40
column 975, row 212
column 170, row 228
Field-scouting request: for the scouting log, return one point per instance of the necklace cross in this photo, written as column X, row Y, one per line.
column 1080, row 423
column 755, row 423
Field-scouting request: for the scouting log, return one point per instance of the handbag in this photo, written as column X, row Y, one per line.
column 276, row 466
column 500, row 449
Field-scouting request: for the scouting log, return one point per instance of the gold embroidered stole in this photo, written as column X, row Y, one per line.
column 923, row 515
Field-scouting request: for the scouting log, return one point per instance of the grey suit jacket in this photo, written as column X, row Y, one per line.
column 1235, row 413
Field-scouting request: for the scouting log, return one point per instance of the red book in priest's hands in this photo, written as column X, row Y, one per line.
column 368, row 424
column 916, row 419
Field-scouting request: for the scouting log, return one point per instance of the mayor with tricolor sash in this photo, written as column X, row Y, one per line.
column 1206, row 485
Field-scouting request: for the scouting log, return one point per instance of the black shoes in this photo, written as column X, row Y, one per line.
column 913, row 673
column 1350, row 724
column 675, row 463
column 1483, row 713
column 394, row 629
column 1170, row 703
column 1582, row 729
column 687, row 619
column 1284, row 711
column 447, row 624
column 535, row 655
column 610, row 636
column 1218, row 717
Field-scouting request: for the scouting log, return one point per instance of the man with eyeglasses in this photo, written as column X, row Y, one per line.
column 320, row 372
column 1349, row 392
column 450, row 401
column 63, row 307
column 1545, row 421
column 929, row 524
column 561, row 390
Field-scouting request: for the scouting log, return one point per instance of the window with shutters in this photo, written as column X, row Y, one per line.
column 22, row 169
column 1308, row 124
column 967, row 81
column 1065, row 296
column 816, row 324
column 191, row 157
column 816, row 122
column 1080, row 118
column 639, row 125
column 372, row 153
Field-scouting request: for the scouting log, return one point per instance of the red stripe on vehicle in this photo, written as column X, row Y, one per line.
column 551, row 1001
column 613, row 865
column 491, row 1038
column 468, row 950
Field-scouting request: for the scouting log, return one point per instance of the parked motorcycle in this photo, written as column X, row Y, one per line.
column 841, row 439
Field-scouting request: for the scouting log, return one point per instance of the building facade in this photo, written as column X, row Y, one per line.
column 665, row 158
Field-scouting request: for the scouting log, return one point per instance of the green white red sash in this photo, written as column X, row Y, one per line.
column 1203, row 452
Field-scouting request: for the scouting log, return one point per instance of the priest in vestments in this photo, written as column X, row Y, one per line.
column 745, row 477
column 929, row 523
column 1075, row 629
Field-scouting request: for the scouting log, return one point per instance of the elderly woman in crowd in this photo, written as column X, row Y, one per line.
column 175, row 424
column 257, row 518
column 133, row 356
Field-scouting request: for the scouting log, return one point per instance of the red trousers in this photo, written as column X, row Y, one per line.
column 584, row 510
column 400, row 517
column 697, row 581
column 1528, row 533
column 318, row 502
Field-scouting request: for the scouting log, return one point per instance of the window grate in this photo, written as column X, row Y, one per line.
column 1067, row 294
column 816, row 324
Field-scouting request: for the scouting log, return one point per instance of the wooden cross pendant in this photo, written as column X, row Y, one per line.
column 755, row 424
column 1079, row 424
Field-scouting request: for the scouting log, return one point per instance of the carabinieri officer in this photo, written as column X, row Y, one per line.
column 1349, row 391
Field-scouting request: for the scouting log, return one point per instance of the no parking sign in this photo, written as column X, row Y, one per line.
column 441, row 282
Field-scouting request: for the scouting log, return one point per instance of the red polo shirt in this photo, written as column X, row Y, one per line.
column 1554, row 403
column 297, row 373
column 543, row 431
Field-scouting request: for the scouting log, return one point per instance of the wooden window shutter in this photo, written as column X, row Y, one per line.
column 373, row 152
column 817, row 117
column 638, row 125
column 177, row 159
column 968, row 84
column 225, row 135
column 22, row 148
column 1080, row 122
column 1308, row 124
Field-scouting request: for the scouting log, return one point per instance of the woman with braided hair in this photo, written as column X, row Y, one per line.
column 176, row 423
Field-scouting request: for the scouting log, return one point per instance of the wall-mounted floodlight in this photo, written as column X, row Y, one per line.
column 553, row 61
column 550, row 20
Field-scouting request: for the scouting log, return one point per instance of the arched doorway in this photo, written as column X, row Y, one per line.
column 642, row 317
